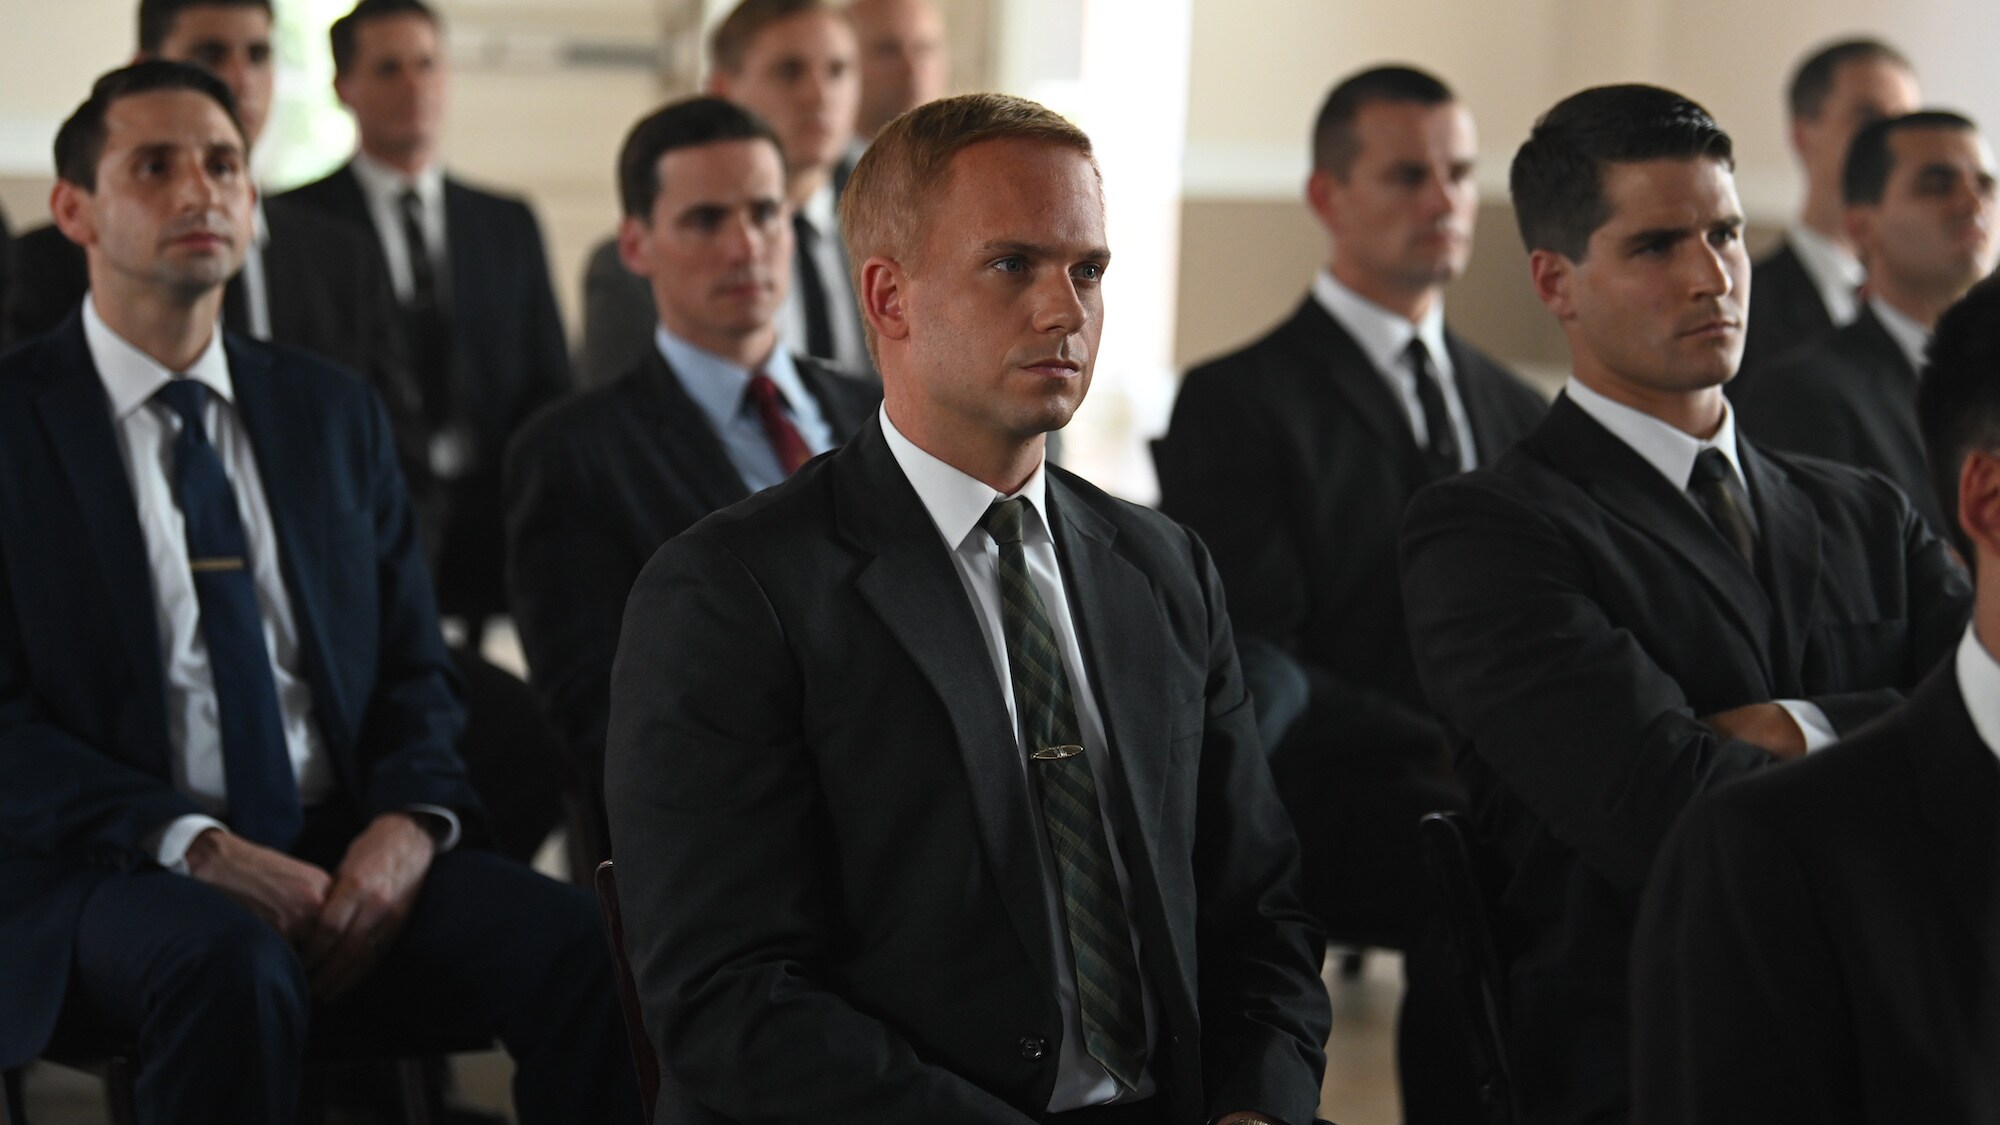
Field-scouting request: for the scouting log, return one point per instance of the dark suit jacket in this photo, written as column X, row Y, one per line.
column 1786, row 313
column 1294, row 461
column 594, row 485
column 833, row 899
column 326, row 289
column 1852, row 398
column 1822, row 944
column 1573, row 615
column 84, row 776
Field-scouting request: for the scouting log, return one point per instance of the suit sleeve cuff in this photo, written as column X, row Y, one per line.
column 442, row 823
column 1812, row 723
column 170, row 845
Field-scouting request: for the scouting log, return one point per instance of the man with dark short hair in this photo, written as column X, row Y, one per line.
column 717, row 411
column 904, row 60
column 1294, row 459
column 230, row 811
column 1809, row 286
column 932, row 779
column 1637, row 603
column 1817, row 943
column 1921, row 210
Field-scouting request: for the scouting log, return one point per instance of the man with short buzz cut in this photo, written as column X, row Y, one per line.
column 1294, row 458
column 231, row 816
column 1816, row 944
column 469, row 275
column 1921, row 211
column 904, row 63
column 1810, row 285
column 717, row 411
column 1638, row 604
column 933, row 781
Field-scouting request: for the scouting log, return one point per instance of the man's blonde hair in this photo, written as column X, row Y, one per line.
column 887, row 200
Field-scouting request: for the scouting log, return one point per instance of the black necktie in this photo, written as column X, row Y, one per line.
column 429, row 333
column 1108, row 994
column 812, row 290
column 1441, row 454
column 1714, row 485
column 256, row 765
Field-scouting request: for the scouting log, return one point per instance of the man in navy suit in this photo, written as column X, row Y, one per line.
column 229, row 806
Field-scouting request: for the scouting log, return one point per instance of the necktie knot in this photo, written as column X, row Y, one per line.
column 1711, row 467
column 764, row 393
column 786, row 441
column 1003, row 520
column 412, row 205
column 185, row 397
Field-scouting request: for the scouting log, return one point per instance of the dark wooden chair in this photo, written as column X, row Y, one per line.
column 644, row 1061
column 1461, row 873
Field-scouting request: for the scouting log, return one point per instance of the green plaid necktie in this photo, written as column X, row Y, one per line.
column 1100, row 943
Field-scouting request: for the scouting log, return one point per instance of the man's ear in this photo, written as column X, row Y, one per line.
column 69, row 208
column 1979, row 502
column 1323, row 197
column 632, row 253
column 1553, row 275
column 1859, row 222
column 718, row 83
column 882, row 298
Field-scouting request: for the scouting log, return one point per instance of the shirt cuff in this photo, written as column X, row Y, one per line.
column 1812, row 722
column 171, row 844
column 447, row 839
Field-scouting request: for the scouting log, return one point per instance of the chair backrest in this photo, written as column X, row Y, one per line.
column 643, row 1058
column 1452, row 853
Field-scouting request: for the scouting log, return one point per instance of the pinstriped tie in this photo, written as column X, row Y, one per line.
column 1100, row 943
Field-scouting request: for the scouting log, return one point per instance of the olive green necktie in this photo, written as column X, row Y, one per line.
column 1100, row 943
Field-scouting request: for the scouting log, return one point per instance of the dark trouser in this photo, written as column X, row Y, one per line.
column 512, row 758
column 219, row 1007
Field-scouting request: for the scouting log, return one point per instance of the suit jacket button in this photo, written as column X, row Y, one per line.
column 1033, row 1047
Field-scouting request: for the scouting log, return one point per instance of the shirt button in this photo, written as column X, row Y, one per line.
column 1033, row 1047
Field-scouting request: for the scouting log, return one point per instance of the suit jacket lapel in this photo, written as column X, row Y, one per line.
column 76, row 415
column 1628, row 487
column 910, row 582
column 1318, row 342
column 843, row 420
column 1895, row 380
column 1481, row 396
column 1789, row 540
column 1956, row 785
column 688, row 440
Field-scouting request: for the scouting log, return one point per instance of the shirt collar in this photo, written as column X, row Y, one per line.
column 1911, row 337
column 131, row 377
column 1668, row 450
column 387, row 185
column 821, row 210
column 260, row 227
column 1383, row 335
column 1834, row 272
column 1979, row 683
column 717, row 385
column 958, row 502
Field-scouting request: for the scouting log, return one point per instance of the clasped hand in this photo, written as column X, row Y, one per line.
column 340, row 923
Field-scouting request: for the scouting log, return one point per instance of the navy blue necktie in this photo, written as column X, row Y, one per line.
column 256, row 767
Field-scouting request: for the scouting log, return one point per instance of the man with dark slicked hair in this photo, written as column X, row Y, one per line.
column 1638, row 604
column 1817, row 944
column 718, row 409
column 1921, row 210
column 1808, row 286
column 1294, row 459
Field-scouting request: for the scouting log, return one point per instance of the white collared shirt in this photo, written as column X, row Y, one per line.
column 1910, row 336
column 1979, row 683
column 850, row 349
column 1834, row 272
column 383, row 187
column 720, row 389
column 956, row 503
column 256, row 290
column 1672, row 452
column 146, row 434
column 1385, row 337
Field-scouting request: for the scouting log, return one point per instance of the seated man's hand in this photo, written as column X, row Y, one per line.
column 1765, row 725
column 285, row 892
column 371, row 897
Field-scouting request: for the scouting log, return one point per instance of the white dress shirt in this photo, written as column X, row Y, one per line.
column 720, row 389
column 1836, row 273
column 1385, row 337
column 956, row 503
column 146, row 434
column 850, row 348
column 1672, row 453
column 383, row 187
column 256, row 291
column 1979, row 683
column 1913, row 338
